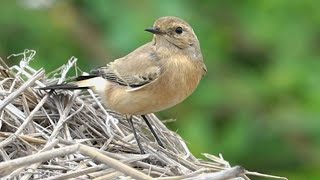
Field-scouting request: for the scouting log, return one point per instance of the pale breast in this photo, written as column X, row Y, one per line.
column 180, row 78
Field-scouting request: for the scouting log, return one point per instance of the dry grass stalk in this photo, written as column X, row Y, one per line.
column 63, row 135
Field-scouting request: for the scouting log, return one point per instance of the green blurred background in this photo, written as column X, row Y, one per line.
column 259, row 104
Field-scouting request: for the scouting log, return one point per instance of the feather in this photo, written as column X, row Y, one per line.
column 63, row 86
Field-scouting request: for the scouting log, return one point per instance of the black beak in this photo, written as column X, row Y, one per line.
column 153, row 30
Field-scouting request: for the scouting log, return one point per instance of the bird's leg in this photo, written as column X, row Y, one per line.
column 152, row 130
column 129, row 118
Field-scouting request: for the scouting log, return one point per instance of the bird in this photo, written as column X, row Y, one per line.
column 154, row 77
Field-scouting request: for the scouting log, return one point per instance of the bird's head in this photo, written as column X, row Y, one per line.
column 174, row 30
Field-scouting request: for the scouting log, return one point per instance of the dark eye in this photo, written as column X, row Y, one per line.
column 179, row 30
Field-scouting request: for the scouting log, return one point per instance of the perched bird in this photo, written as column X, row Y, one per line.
column 152, row 78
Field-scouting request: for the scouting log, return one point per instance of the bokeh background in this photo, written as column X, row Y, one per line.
column 259, row 104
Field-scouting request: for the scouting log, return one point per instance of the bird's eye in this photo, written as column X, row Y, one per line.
column 179, row 30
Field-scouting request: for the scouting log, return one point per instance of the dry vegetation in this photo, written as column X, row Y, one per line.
column 68, row 134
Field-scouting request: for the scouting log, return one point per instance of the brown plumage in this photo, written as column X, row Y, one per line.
column 154, row 77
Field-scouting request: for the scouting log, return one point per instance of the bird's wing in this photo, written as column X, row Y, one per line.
column 135, row 70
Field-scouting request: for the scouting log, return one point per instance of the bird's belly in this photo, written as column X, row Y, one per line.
column 138, row 103
column 152, row 98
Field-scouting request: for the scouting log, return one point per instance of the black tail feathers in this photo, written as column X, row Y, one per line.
column 78, row 83
column 63, row 86
column 80, row 78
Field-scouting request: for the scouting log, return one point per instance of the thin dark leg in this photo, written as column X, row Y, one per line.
column 135, row 134
column 152, row 130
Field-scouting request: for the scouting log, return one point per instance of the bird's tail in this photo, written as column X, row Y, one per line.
column 63, row 86
column 81, row 82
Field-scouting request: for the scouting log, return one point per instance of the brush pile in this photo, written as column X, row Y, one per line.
column 69, row 134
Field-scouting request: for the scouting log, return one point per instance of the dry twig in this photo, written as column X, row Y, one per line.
column 65, row 134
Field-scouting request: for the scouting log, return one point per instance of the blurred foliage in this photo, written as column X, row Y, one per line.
column 259, row 104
